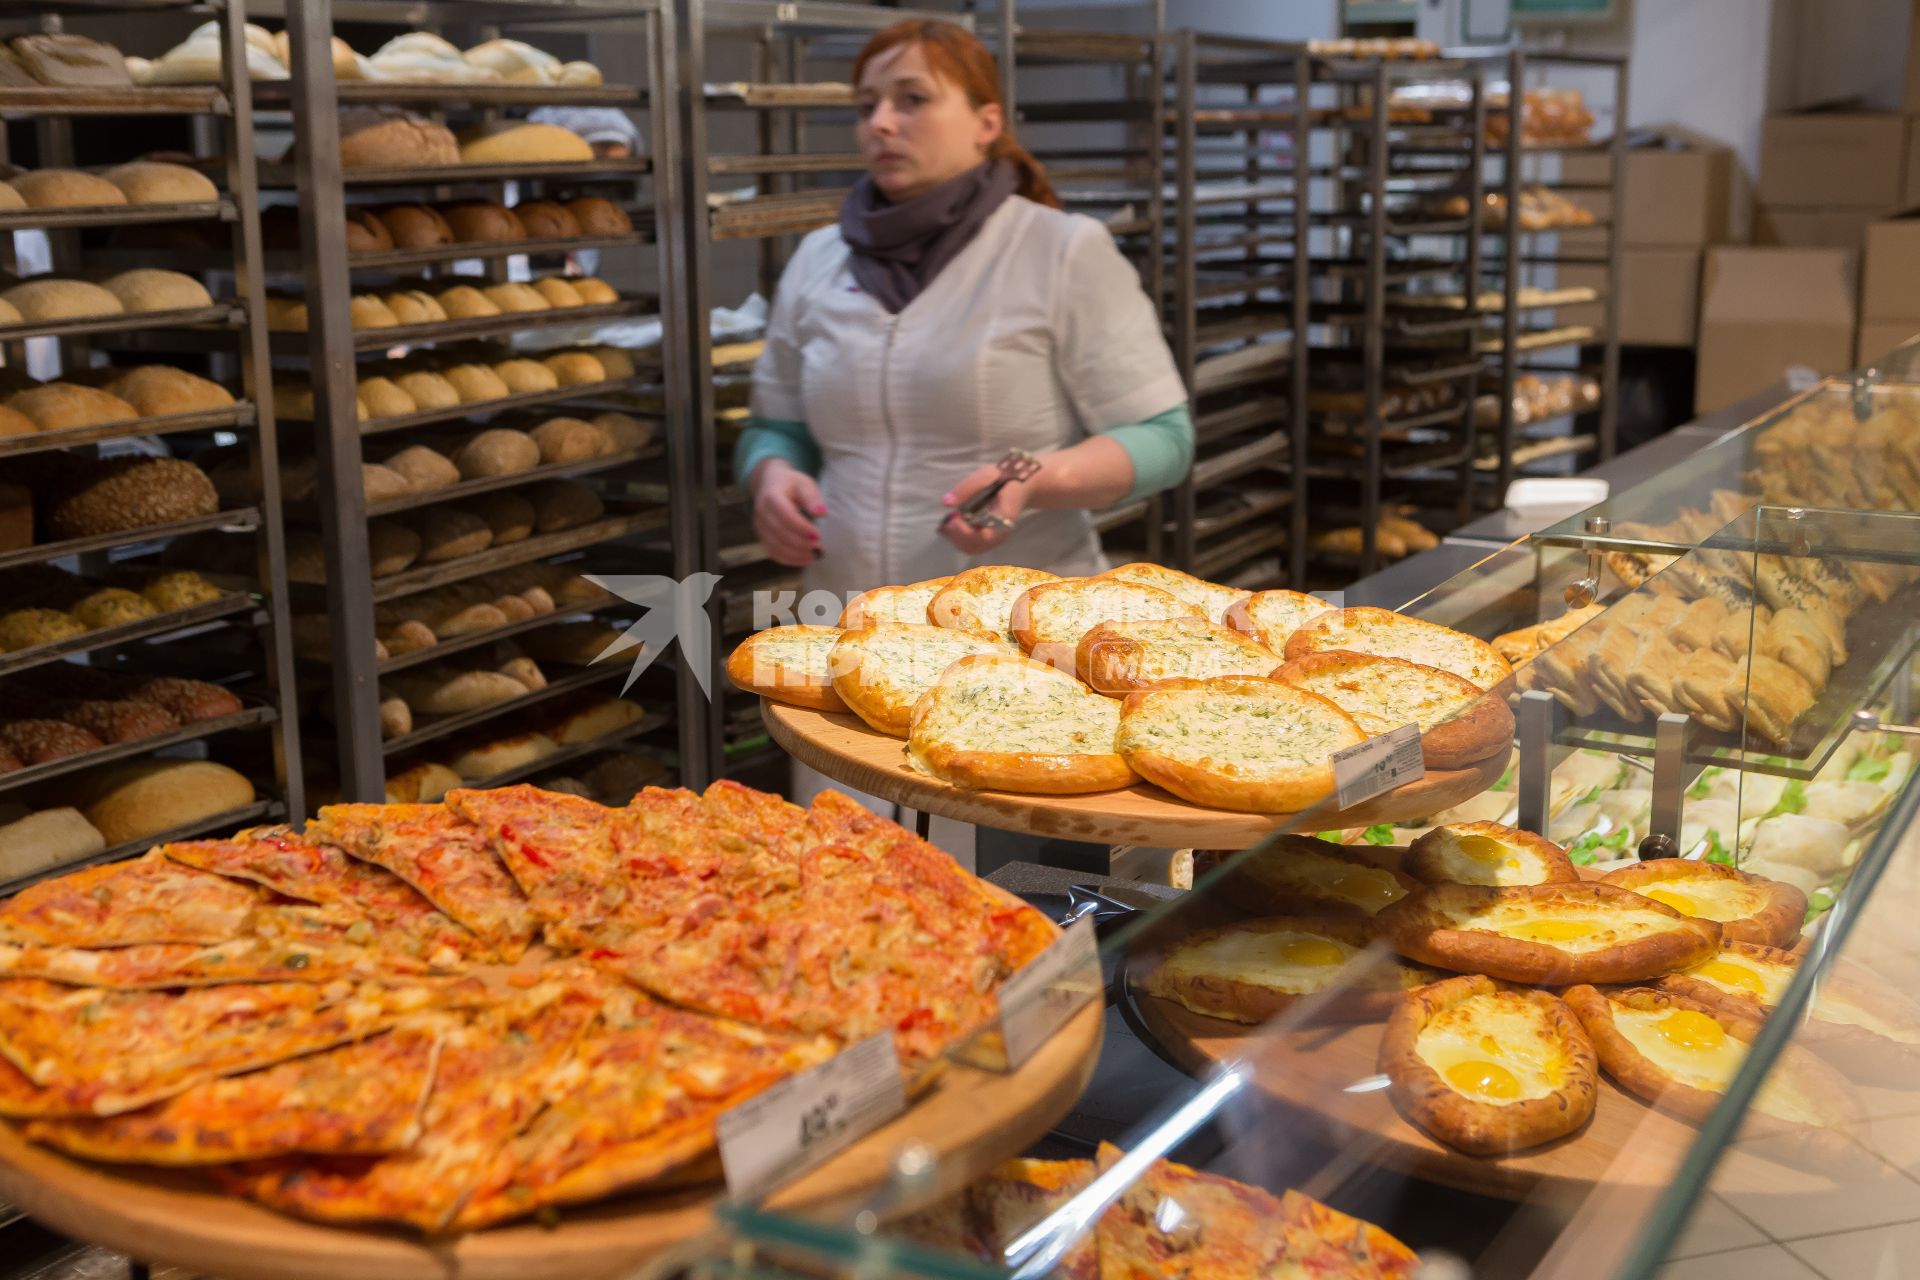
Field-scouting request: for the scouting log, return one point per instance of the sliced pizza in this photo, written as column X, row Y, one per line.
column 560, row 849
column 1177, row 1223
column 1016, row 1197
column 359, row 1099
column 448, row 859
column 149, row 899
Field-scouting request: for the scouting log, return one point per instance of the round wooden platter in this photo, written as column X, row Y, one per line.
column 973, row 1119
column 844, row 748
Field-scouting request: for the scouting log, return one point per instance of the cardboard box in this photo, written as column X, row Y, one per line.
column 1677, row 188
column 1878, row 337
column 1813, row 228
column 1890, row 271
column 1762, row 310
column 1910, row 192
column 1833, row 159
column 1911, row 103
column 1659, row 296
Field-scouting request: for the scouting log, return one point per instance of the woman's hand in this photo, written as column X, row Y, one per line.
column 785, row 502
column 1007, row 504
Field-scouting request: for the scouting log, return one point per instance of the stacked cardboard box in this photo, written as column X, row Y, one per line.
column 1889, row 287
column 1673, row 205
column 1764, row 310
column 1826, row 174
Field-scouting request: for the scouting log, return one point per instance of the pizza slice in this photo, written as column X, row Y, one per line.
column 559, row 848
column 1177, row 1223
column 643, row 1104
column 1016, row 1197
column 493, row 1075
column 316, row 872
column 442, row 855
column 359, row 1098
column 149, row 899
column 1320, row 1241
column 95, row 1052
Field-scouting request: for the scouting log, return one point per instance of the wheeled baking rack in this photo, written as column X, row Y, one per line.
column 646, row 491
column 1532, row 339
column 239, row 640
column 1396, row 307
column 1237, row 303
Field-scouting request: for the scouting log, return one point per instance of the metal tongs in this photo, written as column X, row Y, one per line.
column 1018, row 464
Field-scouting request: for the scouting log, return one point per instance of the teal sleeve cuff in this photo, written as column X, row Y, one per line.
column 1161, row 450
column 774, row 438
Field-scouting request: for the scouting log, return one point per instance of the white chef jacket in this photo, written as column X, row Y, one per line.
column 1036, row 335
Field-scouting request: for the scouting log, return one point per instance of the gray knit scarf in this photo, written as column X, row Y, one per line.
column 899, row 248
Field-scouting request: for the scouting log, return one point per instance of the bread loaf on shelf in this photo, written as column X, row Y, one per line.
column 416, row 226
column 428, row 390
column 45, row 301
column 15, row 423
column 157, row 390
column 498, row 451
column 508, row 515
column 599, row 216
column 131, row 493
column 564, row 504
column 70, row 60
column 576, row 368
column 482, row 221
column 141, row 800
column 422, row 784
column 425, row 469
column 548, row 220
column 569, row 440
column 156, row 289
column 522, row 142
column 66, row 189
column 476, row 383
column 60, row 406
column 384, row 137
column 447, row 533
column 385, row 399
column 501, row 755
column 147, row 182
column 48, row 838
column 522, row 376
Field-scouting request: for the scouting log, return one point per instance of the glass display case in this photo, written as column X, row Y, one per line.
column 1647, row 996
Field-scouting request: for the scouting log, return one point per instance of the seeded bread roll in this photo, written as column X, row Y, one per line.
column 112, row 607
column 570, row 440
column 45, row 301
column 28, row 628
column 157, row 390
column 508, row 515
column 485, row 221
column 448, row 534
column 66, row 189
column 147, row 182
column 153, row 289
column 425, row 469
column 599, row 216
column 59, row 406
column 132, row 493
column 548, row 220
column 384, row 399
column 522, row 376
column 498, row 451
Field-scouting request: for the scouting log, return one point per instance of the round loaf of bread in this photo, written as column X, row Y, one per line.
column 66, row 189
column 569, row 440
column 593, row 290
column 158, row 389
column 617, row 363
column 154, row 289
column 522, row 376
column 412, row 306
column 517, row 297
column 564, row 504
column 365, row 233
column 15, row 423
column 391, row 546
column 10, row 197
column 485, row 221
column 522, row 142
column 464, row 302
column 45, row 301
column 416, row 226
column 558, row 292
column 498, row 451
column 27, row 628
column 548, row 220
column 132, row 493
column 179, row 589
column 385, row 138
column 623, row 431
column 423, row 468
column 140, row 800
column 448, row 534
column 384, row 399
column 382, row 484
column 409, row 637
column 9, row 314
column 62, row 405
column 369, row 312
column 422, row 784
column 599, row 216
column 112, row 607
column 477, row 383
column 509, row 515
column 429, row 389
column 576, row 368
column 504, row 755
column 152, row 182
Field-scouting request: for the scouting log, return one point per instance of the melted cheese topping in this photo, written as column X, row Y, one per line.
column 1278, row 614
column 1188, row 647
column 1496, row 1049
column 1382, row 696
column 1687, row 1046
column 1707, row 899
column 1287, row 960
column 907, row 659
column 1061, row 615
column 1296, row 871
column 1242, row 734
column 1572, row 928
column 1743, row 976
column 1025, row 707
column 793, row 649
column 1470, row 858
column 899, row 604
column 991, row 598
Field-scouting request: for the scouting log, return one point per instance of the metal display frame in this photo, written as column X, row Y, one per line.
column 332, row 345
column 255, row 603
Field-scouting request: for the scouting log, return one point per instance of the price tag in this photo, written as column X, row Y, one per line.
column 1363, row 771
column 806, row 1118
column 1038, row 1000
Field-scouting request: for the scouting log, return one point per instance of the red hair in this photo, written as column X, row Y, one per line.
column 956, row 54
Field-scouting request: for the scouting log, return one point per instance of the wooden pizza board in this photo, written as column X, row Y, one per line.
column 972, row 1119
column 844, row 748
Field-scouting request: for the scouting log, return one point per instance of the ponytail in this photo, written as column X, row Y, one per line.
column 958, row 55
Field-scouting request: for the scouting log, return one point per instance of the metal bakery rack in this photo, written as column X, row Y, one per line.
column 644, row 491
column 233, row 630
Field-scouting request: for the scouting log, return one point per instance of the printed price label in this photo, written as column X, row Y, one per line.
column 1379, row 764
column 1038, row 1000
column 806, row 1118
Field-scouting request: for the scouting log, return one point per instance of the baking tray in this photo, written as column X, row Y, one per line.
column 114, row 100
column 239, row 520
column 118, row 215
column 232, row 417
column 245, row 719
column 286, row 177
column 397, row 259
column 126, row 633
column 223, row 314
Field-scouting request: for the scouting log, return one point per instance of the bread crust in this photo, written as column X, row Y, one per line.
column 1118, row 658
column 1468, row 1124
column 1245, row 615
column 957, row 605
column 1220, row 995
column 1259, row 879
column 1421, row 928
column 1040, row 635
column 1025, row 772
column 1228, row 784
column 892, row 604
column 1424, row 856
column 1775, row 923
column 1480, row 725
column 783, row 682
column 873, row 688
column 1210, row 598
column 1382, row 631
column 1742, row 1005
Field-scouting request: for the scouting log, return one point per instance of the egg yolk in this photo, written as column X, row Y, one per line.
column 1374, row 888
column 1687, row 1029
column 1678, row 901
column 1488, row 1079
column 1732, row 975
column 1313, row 951
column 1482, row 848
column 1552, row 930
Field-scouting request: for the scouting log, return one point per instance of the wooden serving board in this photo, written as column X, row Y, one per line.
column 844, row 748
column 972, row 1119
